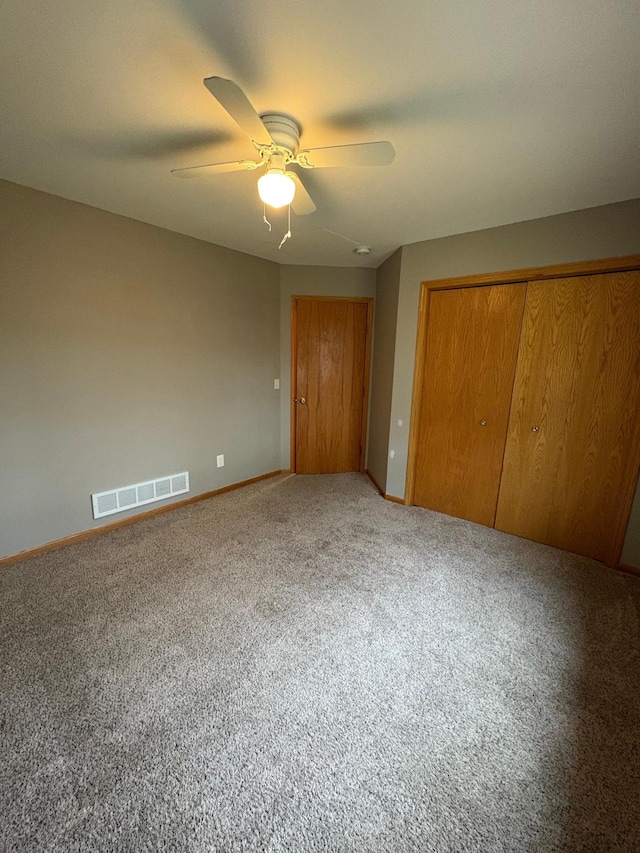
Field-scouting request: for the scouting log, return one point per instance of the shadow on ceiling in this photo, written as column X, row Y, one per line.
column 149, row 145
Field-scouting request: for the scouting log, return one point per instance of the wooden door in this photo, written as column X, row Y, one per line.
column 471, row 350
column 573, row 443
column 330, row 388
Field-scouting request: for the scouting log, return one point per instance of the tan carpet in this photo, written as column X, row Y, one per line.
column 303, row 666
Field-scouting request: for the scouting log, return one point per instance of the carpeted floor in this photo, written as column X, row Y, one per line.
column 302, row 666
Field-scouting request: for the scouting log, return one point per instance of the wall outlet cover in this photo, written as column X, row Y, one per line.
column 220, row 460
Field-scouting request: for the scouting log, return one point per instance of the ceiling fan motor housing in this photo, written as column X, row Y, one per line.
column 284, row 131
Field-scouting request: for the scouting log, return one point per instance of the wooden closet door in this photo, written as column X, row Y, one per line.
column 573, row 443
column 470, row 359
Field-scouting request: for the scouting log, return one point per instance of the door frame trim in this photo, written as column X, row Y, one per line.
column 604, row 265
column 365, row 300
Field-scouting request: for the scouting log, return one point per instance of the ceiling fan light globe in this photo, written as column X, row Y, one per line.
column 276, row 189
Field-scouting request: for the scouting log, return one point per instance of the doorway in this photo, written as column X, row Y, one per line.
column 330, row 352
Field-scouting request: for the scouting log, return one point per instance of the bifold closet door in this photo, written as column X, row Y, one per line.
column 573, row 443
column 469, row 365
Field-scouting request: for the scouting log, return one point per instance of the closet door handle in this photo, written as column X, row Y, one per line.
column 535, row 429
column 483, row 423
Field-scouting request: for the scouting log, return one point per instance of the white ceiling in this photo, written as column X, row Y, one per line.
column 499, row 111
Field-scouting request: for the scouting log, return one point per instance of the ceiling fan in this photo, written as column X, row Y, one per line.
column 276, row 137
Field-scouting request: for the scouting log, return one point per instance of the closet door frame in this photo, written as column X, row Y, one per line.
column 605, row 265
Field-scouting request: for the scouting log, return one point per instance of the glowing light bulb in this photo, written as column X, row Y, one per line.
column 276, row 188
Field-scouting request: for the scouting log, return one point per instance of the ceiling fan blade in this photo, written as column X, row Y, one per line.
column 302, row 203
column 214, row 169
column 230, row 96
column 360, row 154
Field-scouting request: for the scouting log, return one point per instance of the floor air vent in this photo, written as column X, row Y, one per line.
column 128, row 497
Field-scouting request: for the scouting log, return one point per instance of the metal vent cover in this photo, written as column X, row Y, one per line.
column 129, row 497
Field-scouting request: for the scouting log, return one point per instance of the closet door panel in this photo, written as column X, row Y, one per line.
column 471, row 350
column 573, row 442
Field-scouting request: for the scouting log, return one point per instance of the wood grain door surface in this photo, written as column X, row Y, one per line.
column 331, row 372
column 470, row 360
column 573, row 441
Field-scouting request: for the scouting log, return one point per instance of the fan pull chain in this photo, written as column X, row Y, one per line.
column 288, row 234
column 264, row 217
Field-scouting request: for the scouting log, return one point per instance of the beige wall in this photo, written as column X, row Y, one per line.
column 386, row 315
column 310, row 281
column 631, row 550
column 609, row 231
column 126, row 353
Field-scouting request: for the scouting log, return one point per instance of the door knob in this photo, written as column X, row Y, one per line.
column 302, row 400
column 483, row 423
column 535, row 429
